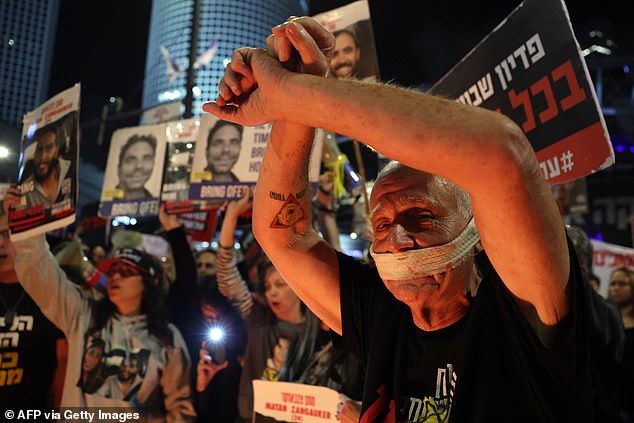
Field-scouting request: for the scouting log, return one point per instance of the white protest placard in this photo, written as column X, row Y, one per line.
column 355, row 52
column 228, row 156
column 294, row 402
column 134, row 172
column 48, row 167
column 608, row 257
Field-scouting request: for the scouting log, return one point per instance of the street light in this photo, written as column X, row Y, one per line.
column 4, row 152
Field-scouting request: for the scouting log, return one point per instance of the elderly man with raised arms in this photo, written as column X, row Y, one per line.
column 473, row 312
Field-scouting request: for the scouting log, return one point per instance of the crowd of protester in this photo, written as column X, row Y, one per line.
column 140, row 338
column 182, row 337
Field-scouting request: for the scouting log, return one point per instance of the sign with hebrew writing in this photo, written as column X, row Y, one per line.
column 294, row 402
column 530, row 68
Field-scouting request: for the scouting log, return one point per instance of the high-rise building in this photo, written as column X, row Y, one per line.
column 27, row 38
column 235, row 23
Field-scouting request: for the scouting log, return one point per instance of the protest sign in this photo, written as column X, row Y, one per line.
column 134, row 172
column 179, row 156
column 227, row 159
column 201, row 225
column 47, row 175
column 294, row 402
column 530, row 68
column 607, row 258
column 355, row 52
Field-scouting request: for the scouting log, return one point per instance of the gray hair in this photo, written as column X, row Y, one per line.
column 463, row 199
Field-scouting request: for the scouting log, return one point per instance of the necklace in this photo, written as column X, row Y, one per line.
column 9, row 315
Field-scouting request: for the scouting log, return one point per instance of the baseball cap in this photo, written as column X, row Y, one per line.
column 137, row 258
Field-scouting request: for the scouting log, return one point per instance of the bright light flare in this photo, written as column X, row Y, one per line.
column 216, row 334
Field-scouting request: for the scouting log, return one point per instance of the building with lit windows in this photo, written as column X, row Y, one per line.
column 27, row 38
column 235, row 23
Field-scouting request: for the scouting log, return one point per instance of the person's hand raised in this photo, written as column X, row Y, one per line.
column 252, row 90
column 11, row 198
column 302, row 45
column 168, row 221
column 241, row 205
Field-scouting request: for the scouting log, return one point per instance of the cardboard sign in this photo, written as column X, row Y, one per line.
column 355, row 52
column 607, row 258
column 134, row 171
column 48, row 167
column 530, row 68
column 179, row 157
column 227, row 159
column 294, row 402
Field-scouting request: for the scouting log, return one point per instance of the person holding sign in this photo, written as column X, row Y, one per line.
column 136, row 163
column 471, row 323
column 223, row 149
column 50, row 182
column 147, row 355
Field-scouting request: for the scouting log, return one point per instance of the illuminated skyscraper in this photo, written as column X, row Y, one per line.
column 236, row 23
column 27, row 37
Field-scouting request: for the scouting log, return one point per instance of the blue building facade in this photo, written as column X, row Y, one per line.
column 27, row 38
column 236, row 23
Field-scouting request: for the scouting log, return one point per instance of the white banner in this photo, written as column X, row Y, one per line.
column 294, row 402
column 608, row 257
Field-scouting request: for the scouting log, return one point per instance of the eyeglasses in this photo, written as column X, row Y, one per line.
column 123, row 270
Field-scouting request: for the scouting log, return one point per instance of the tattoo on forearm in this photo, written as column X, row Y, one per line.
column 276, row 196
column 281, row 197
column 290, row 214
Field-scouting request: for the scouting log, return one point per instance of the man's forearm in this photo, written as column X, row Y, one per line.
column 282, row 197
column 428, row 133
column 282, row 223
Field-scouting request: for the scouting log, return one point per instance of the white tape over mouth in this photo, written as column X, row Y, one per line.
column 428, row 261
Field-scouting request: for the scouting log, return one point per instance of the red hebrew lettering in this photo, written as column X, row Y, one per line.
column 522, row 99
column 577, row 94
column 543, row 85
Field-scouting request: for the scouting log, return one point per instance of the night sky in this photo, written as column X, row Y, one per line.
column 103, row 45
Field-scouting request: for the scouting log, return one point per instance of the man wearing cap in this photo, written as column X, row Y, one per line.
column 128, row 320
column 446, row 331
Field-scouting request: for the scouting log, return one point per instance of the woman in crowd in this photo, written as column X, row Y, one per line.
column 128, row 320
column 621, row 291
column 285, row 331
column 195, row 308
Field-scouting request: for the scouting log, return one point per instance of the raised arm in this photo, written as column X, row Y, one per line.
column 41, row 277
column 230, row 282
column 281, row 218
column 182, row 292
column 483, row 152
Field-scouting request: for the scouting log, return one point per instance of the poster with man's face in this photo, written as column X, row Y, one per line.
column 228, row 157
column 355, row 52
column 48, row 166
column 134, row 171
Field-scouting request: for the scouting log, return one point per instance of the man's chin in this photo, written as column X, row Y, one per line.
column 411, row 290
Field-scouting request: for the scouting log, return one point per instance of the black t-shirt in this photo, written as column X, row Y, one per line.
column 27, row 352
column 487, row 367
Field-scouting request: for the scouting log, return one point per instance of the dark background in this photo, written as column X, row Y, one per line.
column 103, row 45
